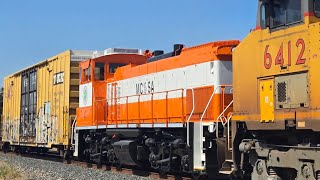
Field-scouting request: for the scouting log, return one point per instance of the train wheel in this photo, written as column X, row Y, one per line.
column 118, row 167
column 89, row 164
column 99, row 165
column 196, row 175
column 68, row 156
column 5, row 148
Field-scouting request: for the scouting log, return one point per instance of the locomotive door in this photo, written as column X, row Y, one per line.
column 266, row 100
column 28, row 106
column 112, row 103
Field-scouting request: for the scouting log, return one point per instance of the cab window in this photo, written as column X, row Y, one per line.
column 281, row 13
column 294, row 11
column 263, row 16
column 99, row 71
column 87, row 74
column 114, row 66
column 317, row 8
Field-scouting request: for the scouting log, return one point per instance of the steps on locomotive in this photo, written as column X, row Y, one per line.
column 227, row 167
column 225, row 156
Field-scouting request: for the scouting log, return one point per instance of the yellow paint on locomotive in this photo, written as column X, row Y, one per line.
column 288, row 60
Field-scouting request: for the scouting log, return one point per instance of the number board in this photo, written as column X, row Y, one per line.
column 58, row 78
column 278, row 59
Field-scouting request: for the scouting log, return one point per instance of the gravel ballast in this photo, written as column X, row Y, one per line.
column 41, row 169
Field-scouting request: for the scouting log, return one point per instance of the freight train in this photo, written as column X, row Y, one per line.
column 246, row 109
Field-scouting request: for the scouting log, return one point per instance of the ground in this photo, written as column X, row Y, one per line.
column 8, row 172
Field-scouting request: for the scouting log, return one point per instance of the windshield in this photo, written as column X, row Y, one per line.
column 114, row 66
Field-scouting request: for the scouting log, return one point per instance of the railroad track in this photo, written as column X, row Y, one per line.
column 122, row 170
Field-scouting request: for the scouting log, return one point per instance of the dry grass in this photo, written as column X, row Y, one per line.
column 7, row 172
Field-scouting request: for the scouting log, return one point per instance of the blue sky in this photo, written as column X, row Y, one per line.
column 33, row 30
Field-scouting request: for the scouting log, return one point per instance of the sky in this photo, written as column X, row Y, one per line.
column 33, row 30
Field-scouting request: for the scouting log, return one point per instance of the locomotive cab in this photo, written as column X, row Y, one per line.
column 94, row 74
column 276, row 104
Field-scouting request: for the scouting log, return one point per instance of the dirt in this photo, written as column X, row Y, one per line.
column 7, row 172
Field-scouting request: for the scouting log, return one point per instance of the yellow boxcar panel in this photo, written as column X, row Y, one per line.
column 11, row 108
column 57, row 100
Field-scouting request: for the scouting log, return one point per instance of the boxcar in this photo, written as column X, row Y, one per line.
column 40, row 102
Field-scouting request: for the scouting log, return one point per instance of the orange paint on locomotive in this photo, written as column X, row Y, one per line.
column 160, row 93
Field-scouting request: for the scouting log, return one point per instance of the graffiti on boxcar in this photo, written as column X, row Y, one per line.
column 11, row 129
column 42, row 126
column 9, row 95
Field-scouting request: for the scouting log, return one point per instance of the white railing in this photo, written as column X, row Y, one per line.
column 222, row 119
column 191, row 114
column 229, row 133
column 72, row 130
column 225, row 121
column 208, row 104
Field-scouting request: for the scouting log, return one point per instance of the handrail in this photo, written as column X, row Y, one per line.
column 205, row 110
column 139, row 100
column 220, row 116
column 191, row 114
column 72, row 129
column 225, row 122
column 228, row 135
column 162, row 92
column 214, row 92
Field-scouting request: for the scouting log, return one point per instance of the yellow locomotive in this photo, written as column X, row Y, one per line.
column 275, row 124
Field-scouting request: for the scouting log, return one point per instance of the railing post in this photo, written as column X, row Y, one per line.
column 115, row 111
column 182, row 104
column 167, row 109
column 127, row 107
column 72, row 130
column 223, row 98
column 191, row 114
column 229, row 135
column 105, row 116
column 152, row 110
column 139, row 110
column 106, row 113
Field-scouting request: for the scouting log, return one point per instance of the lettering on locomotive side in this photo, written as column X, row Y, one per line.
column 145, row 88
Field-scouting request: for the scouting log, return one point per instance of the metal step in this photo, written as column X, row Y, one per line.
column 226, row 172
column 227, row 167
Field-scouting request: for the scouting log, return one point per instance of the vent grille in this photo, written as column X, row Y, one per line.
column 282, row 92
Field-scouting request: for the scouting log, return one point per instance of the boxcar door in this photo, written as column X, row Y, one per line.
column 28, row 106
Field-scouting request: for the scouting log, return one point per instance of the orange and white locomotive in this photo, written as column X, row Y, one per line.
column 161, row 112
